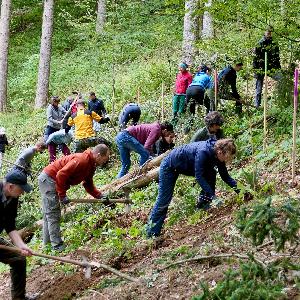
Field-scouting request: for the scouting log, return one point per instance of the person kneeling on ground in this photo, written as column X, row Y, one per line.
column 213, row 122
column 11, row 188
column 194, row 159
column 139, row 139
column 130, row 111
column 57, row 178
column 164, row 144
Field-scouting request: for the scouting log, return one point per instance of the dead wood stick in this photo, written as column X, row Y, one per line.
column 74, row 262
column 223, row 255
column 114, row 271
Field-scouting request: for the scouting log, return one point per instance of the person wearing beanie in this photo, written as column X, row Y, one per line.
column 183, row 80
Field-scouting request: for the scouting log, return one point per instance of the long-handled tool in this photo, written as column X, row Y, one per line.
column 102, row 201
column 85, row 264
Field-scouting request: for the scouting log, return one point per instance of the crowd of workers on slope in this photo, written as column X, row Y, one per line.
column 207, row 151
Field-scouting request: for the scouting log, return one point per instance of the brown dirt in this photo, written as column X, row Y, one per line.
column 215, row 235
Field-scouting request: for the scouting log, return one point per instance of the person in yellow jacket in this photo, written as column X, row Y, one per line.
column 85, row 136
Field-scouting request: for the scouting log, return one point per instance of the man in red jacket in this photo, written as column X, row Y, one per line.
column 57, row 178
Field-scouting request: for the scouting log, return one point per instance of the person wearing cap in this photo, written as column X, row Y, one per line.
column 3, row 144
column 212, row 130
column 55, row 117
column 183, row 80
column 129, row 112
column 85, row 136
column 269, row 46
column 58, row 177
column 11, row 188
column 227, row 85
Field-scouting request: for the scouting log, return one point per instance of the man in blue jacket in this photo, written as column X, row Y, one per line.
column 195, row 159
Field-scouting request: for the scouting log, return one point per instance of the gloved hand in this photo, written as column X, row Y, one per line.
column 104, row 120
column 105, row 199
column 64, row 200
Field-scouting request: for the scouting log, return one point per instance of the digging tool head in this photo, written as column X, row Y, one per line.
column 88, row 268
column 128, row 204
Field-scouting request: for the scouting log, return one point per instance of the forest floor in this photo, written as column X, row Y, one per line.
column 214, row 235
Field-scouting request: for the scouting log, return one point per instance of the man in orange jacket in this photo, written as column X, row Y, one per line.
column 56, row 179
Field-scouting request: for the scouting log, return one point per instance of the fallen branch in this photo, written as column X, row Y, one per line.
column 224, row 255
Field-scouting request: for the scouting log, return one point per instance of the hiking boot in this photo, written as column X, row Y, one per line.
column 59, row 248
column 204, row 205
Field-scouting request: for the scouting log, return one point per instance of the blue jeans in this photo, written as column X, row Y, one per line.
column 167, row 180
column 127, row 143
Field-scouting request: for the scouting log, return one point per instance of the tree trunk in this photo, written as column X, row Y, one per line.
column 117, row 184
column 207, row 27
column 45, row 55
column 101, row 16
column 4, row 38
column 190, row 31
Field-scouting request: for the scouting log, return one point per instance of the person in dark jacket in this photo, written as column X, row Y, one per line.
column 164, row 144
column 11, row 188
column 194, row 159
column 227, row 85
column 213, row 122
column 3, row 144
column 265, row 45
column 130, row 111
column 96, row 105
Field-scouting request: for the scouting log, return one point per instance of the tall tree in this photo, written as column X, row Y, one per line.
column 45, row 55
column 207, row 26
column 101, row 16
column 4, row 38
column 190, row 31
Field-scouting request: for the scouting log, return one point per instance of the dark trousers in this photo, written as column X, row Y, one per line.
column 17, row 265
column 167, row 181
column 195, row 95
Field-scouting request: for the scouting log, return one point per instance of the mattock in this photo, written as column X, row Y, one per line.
column 84, row 263
column 127, row 201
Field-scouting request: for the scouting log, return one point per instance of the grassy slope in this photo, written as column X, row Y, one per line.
column 139, row 42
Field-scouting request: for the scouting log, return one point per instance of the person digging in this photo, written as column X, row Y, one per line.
column 56, row 179
column 11, row 188
column 195, row 159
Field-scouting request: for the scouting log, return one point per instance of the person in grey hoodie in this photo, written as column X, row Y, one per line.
column 55, row 117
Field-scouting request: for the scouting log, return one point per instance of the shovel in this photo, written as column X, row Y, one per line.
column 84, row 263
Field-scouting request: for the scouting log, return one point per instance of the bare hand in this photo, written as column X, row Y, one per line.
column 26, row 251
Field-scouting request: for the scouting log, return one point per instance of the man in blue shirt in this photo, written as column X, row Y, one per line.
column 195, row 159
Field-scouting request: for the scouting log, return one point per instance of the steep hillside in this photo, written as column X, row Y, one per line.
column 248, row 249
